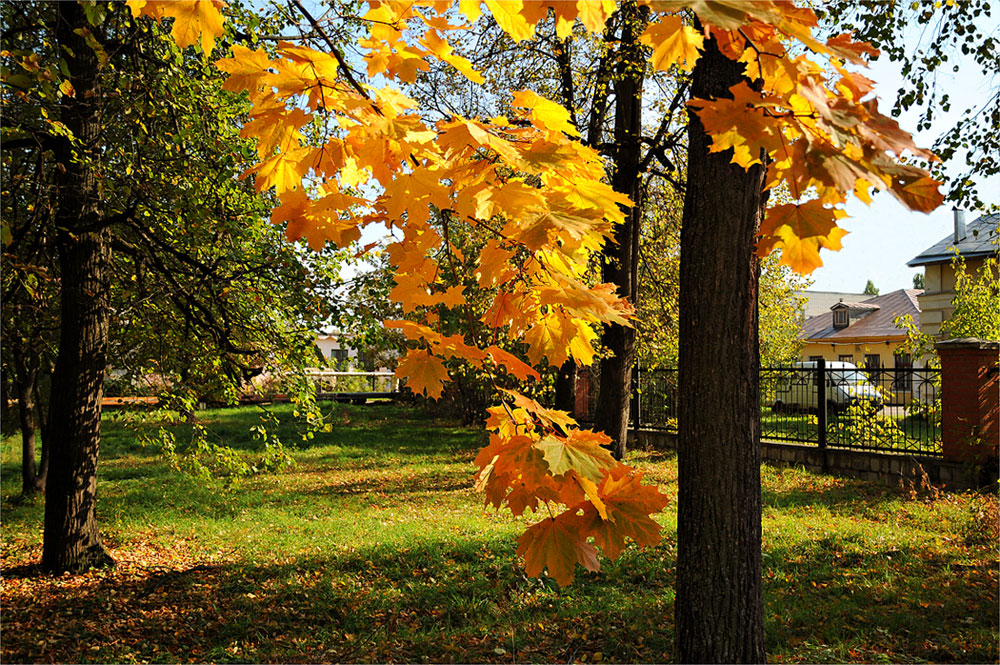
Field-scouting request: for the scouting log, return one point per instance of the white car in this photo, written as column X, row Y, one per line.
column 845, row 385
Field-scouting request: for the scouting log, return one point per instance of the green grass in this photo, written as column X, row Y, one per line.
column 375, row 548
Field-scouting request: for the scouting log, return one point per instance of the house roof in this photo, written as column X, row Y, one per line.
column 980, row 241
column 819, row 302
column 875, row 326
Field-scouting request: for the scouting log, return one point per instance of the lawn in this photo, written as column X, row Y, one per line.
column 374, row 547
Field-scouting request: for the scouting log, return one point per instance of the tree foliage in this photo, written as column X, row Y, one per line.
column 341, row 154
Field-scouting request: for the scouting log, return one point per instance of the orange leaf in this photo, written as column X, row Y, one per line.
column 629, row 505
column 556, row 545
column 802, row 220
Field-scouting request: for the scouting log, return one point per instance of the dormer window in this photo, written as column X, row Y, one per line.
column 841, row 318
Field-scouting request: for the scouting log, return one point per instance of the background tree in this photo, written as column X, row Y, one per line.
column 870, row 289
column 199, row 288
column 918, row 280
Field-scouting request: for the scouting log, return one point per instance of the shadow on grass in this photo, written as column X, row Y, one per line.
column 463, row 601
column 468, row 601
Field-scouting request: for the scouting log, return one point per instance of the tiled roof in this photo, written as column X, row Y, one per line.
column 980, row 240
column 875, row 326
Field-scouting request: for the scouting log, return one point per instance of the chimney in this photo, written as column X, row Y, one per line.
column 959, row 225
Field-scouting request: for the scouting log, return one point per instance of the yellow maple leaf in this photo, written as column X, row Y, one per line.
column 248, row 70
column 673, row 43
column 423, row 372
column 546, row 113
column 507, row 14
column 582, row 451
column 194, row 20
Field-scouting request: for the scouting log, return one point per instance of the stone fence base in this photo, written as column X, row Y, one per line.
column 893, row 469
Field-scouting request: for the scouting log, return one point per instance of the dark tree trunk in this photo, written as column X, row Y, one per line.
column 71, row 540
column 27, row 381
column 620, row 262
column 719, row 614
column 566, row 387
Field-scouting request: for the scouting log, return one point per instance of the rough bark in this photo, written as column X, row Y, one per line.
column 71, row 541
column 620, row 260
column 719, row 607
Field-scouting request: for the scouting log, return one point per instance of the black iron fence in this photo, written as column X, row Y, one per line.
column 886, row 410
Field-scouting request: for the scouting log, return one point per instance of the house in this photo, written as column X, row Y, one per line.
column 862, row 332
column 975, row 242
column 344, row 356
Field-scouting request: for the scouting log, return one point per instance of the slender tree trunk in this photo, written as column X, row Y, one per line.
column 71, row 540
column 719, row 615
column 26, row 380
column 620, row 261
column 41, row 478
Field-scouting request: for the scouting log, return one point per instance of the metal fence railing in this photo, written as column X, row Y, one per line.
column 886, row 410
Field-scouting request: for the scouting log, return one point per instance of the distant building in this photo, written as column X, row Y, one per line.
column 345, row 357
column 862, row 332
column 975, row 242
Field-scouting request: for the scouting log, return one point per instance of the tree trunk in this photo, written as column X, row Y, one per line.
column 71, row 540
column 27, row 373
column 566, row 387
column 719, row 614
column 620, row 260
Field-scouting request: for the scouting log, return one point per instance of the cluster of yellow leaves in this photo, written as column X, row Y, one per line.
column 342, row 155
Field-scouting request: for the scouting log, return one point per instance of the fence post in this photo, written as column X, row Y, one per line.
column 636, row 406
column 970, row 400
column 821, row 404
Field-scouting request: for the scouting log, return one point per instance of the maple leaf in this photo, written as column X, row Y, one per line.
column 545, row 112
column 424, row 373
column 548, row 417
column 507, row 14
column 803, row 220
column 545, row 340
column 514, row 365
column 556, row 545
column 673, row 43
column 248, row 70
column 193, row 19
column 628, row 506
column 595, row 13
column 582, row 451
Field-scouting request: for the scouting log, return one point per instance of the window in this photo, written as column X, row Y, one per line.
column 846, row 358
column 339, row 355
column 904, row 372
column 873, row 365
column 815, row 358
column 840, row 318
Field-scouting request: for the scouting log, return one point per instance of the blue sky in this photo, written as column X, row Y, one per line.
column 884, row 236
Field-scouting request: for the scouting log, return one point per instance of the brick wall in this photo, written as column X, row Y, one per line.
column 970, row 399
